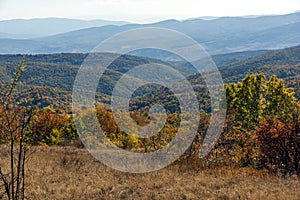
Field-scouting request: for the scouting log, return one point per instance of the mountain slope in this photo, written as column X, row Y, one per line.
column 29, row 28
column 53, row 75
column 222, row 35
column 284, row 63
column 288, row 56
column 281, row 37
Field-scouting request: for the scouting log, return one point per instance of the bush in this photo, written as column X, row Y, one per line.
column 279, row 145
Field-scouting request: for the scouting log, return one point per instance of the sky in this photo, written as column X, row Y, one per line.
column 142, row 11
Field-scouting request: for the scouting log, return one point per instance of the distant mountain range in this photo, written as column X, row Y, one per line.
column 31, row 28
column 218, row 36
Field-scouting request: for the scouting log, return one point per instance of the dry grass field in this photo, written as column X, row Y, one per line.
column 70, row 173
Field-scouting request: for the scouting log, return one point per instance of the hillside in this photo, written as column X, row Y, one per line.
column 284, row 63
column 59, row 70
column 54, row 74
column 221, row 35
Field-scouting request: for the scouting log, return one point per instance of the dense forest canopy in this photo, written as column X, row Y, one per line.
column 54, row 74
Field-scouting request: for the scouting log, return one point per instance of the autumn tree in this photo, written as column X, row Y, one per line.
column 14, row 125
column 279, row 145
column 48, row 126
column 250, row 102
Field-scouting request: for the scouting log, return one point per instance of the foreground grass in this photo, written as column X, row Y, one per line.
column 70, row 173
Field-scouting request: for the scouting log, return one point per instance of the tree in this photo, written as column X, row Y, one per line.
column 279, row 145
column 255, row 98
column 246, row 100
column 280, row 102
column 47, row 127
column 14, row 125
column 250, row 103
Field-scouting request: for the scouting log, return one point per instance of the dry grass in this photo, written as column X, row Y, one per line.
column 70, row 173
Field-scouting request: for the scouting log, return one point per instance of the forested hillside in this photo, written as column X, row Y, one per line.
column 260, row 134
column 54, row 74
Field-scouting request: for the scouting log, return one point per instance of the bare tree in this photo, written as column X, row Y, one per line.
column 15, row 119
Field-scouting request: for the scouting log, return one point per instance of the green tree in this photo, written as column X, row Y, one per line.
column 249, row 103
column 280, row 102
column 254, row 98
column 246, row 100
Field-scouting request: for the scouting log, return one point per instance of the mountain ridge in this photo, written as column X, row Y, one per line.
column 218, row 36
column 42, row 27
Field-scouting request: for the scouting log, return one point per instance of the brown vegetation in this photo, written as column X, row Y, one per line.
column 70, row 173
column 256, row 157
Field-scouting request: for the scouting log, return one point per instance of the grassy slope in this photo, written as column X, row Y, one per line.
column 69, row 173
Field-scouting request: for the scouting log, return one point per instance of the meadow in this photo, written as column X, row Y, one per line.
column 72, row 173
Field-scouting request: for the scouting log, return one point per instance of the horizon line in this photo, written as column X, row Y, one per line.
column 205, row 18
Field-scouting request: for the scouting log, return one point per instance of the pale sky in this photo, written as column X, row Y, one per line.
column 142, row 11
